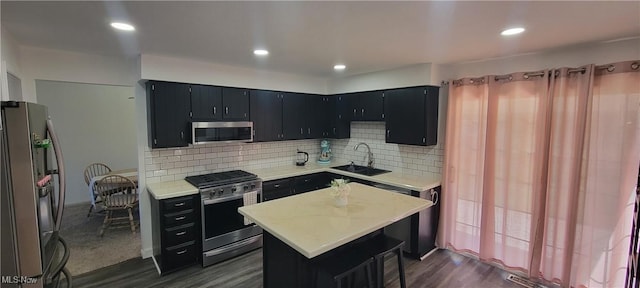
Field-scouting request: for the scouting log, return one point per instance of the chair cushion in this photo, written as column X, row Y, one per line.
column 121, row 200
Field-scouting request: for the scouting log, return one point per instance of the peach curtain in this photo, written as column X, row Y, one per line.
column 540, row 171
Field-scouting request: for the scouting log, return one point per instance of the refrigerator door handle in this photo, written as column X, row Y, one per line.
column 61, row 178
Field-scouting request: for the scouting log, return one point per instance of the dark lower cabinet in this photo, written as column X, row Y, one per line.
column 412, row 115
column 176, row 232
column 169, row 109
column 275, row 189
column 311, row 182
column 280, row 188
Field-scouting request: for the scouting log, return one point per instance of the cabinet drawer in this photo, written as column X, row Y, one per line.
column 277, row 184
column 176, row 204
column 181, row 234
column 178, row 218
column 178, row 256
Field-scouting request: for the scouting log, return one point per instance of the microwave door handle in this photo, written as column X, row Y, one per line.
column 61, row 174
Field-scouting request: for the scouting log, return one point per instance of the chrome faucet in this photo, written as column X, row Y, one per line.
column 369, row 154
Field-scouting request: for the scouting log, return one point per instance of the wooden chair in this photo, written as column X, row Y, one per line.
column 117, row 193
column 93, row 170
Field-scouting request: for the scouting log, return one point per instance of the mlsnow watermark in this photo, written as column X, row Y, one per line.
column 18, row 280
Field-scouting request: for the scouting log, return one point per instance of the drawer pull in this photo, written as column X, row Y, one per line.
column 178, row 204
column 181, row 218
column 276, row 186
column 181, row 233
column 181, row 252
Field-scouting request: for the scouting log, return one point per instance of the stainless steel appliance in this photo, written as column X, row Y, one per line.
column 418, row 230
column 224, row 231
column 225, row 132
column 31, row 206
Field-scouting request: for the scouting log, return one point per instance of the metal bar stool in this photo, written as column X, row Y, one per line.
column 382, row 245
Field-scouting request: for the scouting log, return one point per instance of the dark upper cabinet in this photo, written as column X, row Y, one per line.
column 206, row 102
column 316, row 116
column 235, row 102
column 266, row 114
column 367, row 106
column 169, row 114
column 412, row 115
column 293, row 116
column 339, row 122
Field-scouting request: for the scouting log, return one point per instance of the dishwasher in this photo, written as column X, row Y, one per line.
column 418, row 231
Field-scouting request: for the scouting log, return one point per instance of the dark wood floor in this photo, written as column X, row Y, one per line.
column 442, row 269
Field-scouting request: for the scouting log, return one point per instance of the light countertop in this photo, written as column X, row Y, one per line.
column 171, row 189
column 312, row 225
column 416, row 183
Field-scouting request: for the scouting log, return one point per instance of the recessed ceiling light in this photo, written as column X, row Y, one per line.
column 261, row 52
column 339, row 67
column 512, row 31
column 123, row 26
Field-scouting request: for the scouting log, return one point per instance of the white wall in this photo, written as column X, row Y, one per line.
column 95, row 123
column 594, row 53
column 155, row 67
column 10, row 60
column 414, row 75
column 57, row 65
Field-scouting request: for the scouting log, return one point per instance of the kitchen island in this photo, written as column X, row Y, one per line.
column 299, row 228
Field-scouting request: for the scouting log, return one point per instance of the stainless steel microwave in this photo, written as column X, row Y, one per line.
column 221, row 132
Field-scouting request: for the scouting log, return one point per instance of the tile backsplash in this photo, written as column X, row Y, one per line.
column 176, row 163
column 408, row 159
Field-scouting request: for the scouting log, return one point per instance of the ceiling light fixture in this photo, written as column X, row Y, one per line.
column 339, row 67
column 261, row 52
column 512, row 31
column 123, row 26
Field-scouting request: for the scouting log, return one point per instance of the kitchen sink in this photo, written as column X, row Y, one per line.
column 363, row 170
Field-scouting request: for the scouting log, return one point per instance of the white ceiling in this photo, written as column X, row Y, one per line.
column 310, row 37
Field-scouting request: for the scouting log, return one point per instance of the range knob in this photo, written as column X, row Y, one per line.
column 220, row 192
column 245, row 188
column 233, row 189
column 212, row 194
column 253, row 186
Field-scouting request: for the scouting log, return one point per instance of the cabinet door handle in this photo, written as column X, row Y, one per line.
column 309, row 131
column 226, row 110
column 276, row 186
column 424, row 140
column 182, row 135
column 181, row 218
column 362, row 111
column 388, row 131
column 354, row 111
column 181, row 252
column 181, row 233
column 178, row 204
column 334, row 130
column 301, row 132
column 214, row 110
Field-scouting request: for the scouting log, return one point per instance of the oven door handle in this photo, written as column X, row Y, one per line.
column 223, row 199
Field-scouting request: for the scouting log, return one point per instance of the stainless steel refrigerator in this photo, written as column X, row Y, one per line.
column 32, row 199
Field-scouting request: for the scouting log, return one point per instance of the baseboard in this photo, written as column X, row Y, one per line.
column 429, row 254
column 146, row 253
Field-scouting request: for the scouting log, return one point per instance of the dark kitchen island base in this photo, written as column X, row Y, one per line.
column 283, row 266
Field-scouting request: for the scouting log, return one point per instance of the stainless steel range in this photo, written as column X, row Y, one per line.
column 224, row 232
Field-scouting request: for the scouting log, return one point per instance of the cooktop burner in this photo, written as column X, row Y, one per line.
column 220, row 178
